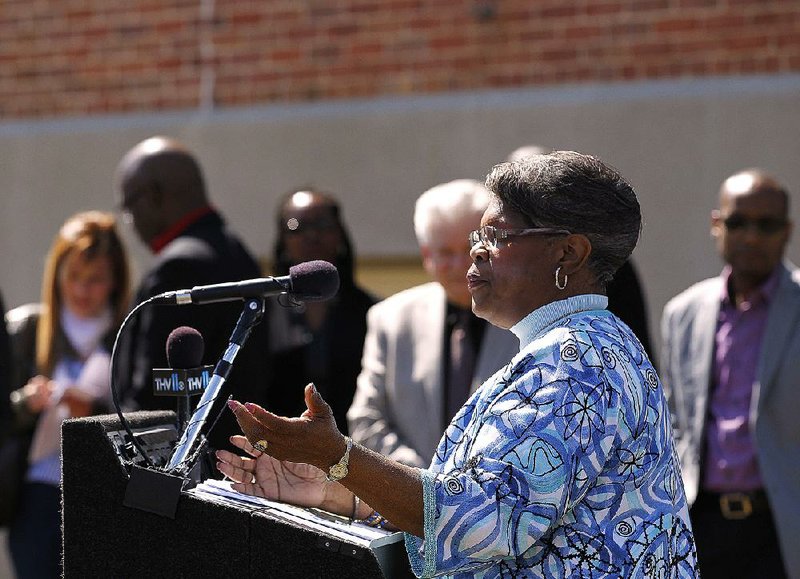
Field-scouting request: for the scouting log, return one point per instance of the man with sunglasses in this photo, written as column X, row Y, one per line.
column 731, row 346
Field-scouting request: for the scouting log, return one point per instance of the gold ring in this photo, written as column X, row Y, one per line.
column 261, row 445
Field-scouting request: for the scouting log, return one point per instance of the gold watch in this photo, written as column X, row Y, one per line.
column 339, row 470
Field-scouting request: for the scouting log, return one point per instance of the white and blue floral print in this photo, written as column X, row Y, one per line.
column 562, row 464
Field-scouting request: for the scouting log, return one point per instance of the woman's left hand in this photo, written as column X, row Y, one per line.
column 312, row 438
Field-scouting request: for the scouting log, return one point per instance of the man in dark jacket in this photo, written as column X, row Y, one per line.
column 5, row 372
column 163, row 195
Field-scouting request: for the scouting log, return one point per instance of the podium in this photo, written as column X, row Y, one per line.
column 207, row 538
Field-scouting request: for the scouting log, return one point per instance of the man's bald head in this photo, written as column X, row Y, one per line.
column 159, row 181
column 749, row 182
column 526, row 151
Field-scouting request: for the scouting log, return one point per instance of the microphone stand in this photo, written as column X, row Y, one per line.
column 251, row 315
column 157, row 490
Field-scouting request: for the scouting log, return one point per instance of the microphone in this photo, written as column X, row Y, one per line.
column 185, row 376
column 308, row 281
column 185, row 347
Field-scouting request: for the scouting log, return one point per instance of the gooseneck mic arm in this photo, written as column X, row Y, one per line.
column 308, row 281
column 249, row 318
column 226, row 292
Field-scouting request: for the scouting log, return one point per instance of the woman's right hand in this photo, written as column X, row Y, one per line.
column 264, row 476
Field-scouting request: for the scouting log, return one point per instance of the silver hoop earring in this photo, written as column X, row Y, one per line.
column 558, row 285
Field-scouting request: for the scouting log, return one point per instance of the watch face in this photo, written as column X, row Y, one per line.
column 338, row 471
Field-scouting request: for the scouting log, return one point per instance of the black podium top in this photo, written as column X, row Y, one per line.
column 207, row 538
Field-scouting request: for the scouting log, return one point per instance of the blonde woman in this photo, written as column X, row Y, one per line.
column 61, row 355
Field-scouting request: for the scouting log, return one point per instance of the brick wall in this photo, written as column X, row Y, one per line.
column 79, row 57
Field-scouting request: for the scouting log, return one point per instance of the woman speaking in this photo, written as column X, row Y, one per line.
column 560, row 465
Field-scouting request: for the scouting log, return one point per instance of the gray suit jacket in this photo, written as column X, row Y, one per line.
column 688, row 327
column 397, row 409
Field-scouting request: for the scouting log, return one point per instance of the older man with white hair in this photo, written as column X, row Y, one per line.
column 425, row 351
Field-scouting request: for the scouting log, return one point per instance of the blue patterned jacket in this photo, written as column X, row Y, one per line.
column 562, row 464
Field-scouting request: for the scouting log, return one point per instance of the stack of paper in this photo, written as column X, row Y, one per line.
column 340, row 527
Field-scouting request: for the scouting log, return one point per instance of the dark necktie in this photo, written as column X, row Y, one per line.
column 462, row 364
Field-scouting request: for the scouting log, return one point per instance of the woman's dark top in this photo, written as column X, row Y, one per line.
column 330, row 357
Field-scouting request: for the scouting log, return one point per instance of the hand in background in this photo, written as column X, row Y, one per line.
column 79, row 402
column 36, row 393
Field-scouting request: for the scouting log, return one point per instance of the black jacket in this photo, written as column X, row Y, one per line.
column 331, row 358
column 5, row 373
column 207, row 252
column 626, row 300
column 22, row 328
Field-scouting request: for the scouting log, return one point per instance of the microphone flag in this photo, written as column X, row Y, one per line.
column 181, row 381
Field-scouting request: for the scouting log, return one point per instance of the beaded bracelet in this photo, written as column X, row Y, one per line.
column 375, row 519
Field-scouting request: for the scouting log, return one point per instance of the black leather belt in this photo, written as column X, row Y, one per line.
column 735, row 505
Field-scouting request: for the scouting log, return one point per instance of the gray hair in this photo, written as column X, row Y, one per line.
column 449, row 202
column 577, row 192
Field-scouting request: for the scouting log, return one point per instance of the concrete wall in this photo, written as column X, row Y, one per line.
column 675, row 140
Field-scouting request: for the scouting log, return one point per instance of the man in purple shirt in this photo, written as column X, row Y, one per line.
column 731, row 370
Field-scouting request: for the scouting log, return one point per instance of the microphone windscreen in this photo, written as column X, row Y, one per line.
column 185, row 348
column 314, row 281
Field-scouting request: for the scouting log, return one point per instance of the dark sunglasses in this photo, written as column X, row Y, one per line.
column 764, row 225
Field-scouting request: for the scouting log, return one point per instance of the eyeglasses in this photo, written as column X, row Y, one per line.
column 488, row 235
column 763, row 226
